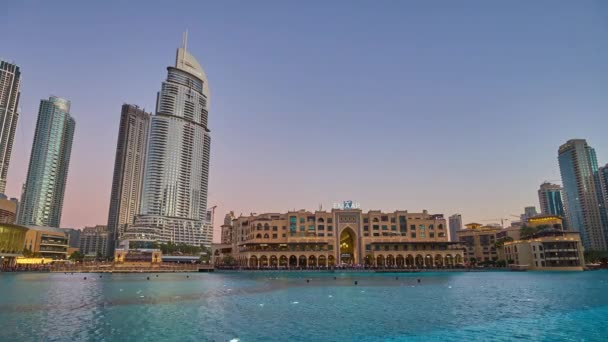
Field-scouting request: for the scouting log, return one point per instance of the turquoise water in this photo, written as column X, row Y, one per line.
column 285, row 307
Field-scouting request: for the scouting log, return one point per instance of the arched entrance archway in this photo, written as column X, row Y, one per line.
column 409, row 260
column 347, row 247
column 312, row 261
column 400, row 261
column 331, row 260
column 419, row 261
column 380, row 261
column 283, row 260
column 273, row 261
column 390, row 260
column 263, row 261
column 438, row 260
column 369, row 260
column 293, row 261
column 253, row 261
column 303, row 261
column 322, row 261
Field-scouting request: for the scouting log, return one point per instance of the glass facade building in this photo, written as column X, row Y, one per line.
column 580, row 179
column 550, row 199
column 10, row 81
column 127, row 182
column 174, row 199
column 42, row 198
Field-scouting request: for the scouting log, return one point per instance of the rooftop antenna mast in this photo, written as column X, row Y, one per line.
column 185, row 40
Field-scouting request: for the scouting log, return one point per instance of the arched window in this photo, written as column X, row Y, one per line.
column 259, row 226
column 266, row 226
column 266, row 236
column 259, row 236
column 375, row 219
column 321, row 219
column 440, row 226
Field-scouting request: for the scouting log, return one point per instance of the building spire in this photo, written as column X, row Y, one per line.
column 185, row 40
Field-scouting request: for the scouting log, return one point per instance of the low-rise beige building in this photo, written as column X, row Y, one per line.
column 549, row 249
column 479, row 242
column 340, row 237
column 8, row 209
column 48, row 242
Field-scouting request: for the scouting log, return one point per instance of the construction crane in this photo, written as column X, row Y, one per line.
column 502, row 221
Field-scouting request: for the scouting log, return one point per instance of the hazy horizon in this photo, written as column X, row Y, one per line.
column 444, row 106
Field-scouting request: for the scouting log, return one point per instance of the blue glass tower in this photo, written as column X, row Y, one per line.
column 550, row 198
column 579, row 171
column 42, row 198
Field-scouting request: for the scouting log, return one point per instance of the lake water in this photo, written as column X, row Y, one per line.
column 270, row 306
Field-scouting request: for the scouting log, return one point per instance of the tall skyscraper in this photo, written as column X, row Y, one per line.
column 10, row 81
column 42, row 198
column 174, row 201
column 127, row 183
column 528, row 212
column 455, row 223
column 550, row 198
column 578, row 167
column 603, row 181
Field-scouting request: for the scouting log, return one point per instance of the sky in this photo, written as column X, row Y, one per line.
column 449, row 106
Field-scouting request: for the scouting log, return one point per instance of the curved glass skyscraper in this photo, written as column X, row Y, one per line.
column 10, row 80
column 174, row 199
column 42, row 198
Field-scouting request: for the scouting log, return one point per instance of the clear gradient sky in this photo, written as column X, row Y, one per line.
column 450, row 106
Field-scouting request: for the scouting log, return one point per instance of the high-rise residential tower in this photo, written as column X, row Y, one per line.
column 174, row 200
column 455, row 223
column 603, row 180
column 42, row 198
column 582, row 197
column 10, row 81
column 550, row 198
column 127, row 183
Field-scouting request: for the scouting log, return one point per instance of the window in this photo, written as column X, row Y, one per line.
column 392, row 220
column 284, row 235
column 366, row 228
column 275, row 228
column 302, row 220
column 431, row 227
column 365, row 220
column 311, row 227
column 413, row 235
column 384, row 227
column 375, row 219
column 413, row 227
column 274, row 236
column 376, row 227
column 302, row 228
column 330, row 234
column 321, row 234
column 421, row 227
column 376, row 234
column 422, row 234
column 321, row 219
column 440, row 226
column 431, row 234
column 384, row 218
column 393, row 227
column 329, row 228
column 368, row 247
column 321, row 227
column 330, row 220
